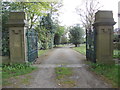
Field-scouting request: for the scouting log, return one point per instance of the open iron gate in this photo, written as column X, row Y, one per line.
column 91, row 45
column 32, row 45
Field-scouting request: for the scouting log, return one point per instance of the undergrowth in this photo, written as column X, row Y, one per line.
column 10, row 70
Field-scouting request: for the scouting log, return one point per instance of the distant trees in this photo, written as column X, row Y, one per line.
column 58, row 34
column 76, row 35
column 64, row 39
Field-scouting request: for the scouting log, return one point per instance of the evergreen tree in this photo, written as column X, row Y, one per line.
column 76, row 35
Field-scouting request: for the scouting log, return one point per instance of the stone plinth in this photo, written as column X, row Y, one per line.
column 104, row 36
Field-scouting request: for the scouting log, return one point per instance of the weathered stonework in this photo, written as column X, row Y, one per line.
column 17, row 30
column 104, row 36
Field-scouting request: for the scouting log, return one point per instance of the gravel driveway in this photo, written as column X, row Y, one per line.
column 45, row 76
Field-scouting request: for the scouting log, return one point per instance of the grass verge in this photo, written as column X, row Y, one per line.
column 81, row 49
column 60, row 45
column 41, row 52
column 109, row 72
column 11, row 73
column 16, row 70
column 62, row 76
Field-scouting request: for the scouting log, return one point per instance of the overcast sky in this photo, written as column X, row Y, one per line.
column 69, row 17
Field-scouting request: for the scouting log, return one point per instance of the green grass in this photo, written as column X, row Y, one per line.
column 116, row 54
column 16, row 70
column 26, row 79
column 41, row 52
column 81, row 49
column 63, row 75
column 62, row 72
column 110, row 72
column 61, row 45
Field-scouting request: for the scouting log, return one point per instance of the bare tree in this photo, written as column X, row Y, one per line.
column 87, row 13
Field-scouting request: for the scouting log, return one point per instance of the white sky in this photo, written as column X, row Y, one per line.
column 69, row 17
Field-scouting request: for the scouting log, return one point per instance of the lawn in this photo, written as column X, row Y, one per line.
column 60, row 45
column 81, row 49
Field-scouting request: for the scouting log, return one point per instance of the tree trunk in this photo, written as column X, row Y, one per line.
column 75, row 45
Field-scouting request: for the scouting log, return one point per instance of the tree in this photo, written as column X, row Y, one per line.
column 45, row 31
column 76, row 35
column 59, row 32
column 64, row 40
column 55, row 9
column 56, row 39
column 87, row 14
column 50, row 24
column 32, row 9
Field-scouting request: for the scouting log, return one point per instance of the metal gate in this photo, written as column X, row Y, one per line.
column 4, row 42
column 32, row 45
column 91, row 45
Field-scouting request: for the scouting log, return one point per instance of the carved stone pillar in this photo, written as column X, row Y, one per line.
column 104, row 36
column 17, row 43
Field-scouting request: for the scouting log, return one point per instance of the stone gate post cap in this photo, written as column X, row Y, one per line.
column 104, row 14
column 17, row 19
column 104, row 17
column 17, row 15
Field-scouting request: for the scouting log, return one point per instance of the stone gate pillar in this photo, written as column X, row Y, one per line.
column 104, row 36
column 17, row 41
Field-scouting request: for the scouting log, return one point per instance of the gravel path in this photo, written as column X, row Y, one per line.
column 45, row 76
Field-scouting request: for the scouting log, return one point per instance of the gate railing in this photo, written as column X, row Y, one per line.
column 91, row 45
column 5, row 43
column 32, row 45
